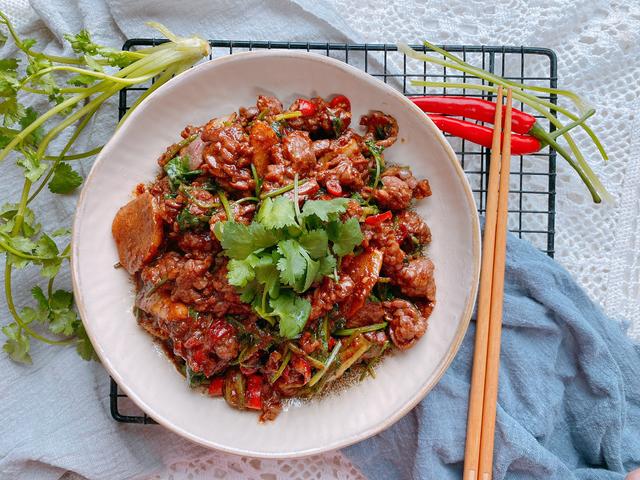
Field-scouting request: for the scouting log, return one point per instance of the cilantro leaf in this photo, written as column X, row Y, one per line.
column 31, row 115
column 315, row 242
column 325, row 210
column 41, row 300
column 345, row 236
column 50, row 268
column 178, row 171
column 81, row 43
column 236, row 240
column 65, row 179
column 62, row 318
column 33, row 169
column 263, row 237
column 240, row 272
column 327, row 267
column 292, row 265
column 61, row 232
column 60, row 300
column 62, row 323
column 46, row 247
column 277, row 213
column 312, row 272
column 187, row 220
column 83, row 345
column 239, row 241
column 293, row 312
column 17, row 344
column 81, row 80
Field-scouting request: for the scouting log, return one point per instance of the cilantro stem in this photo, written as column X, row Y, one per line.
column 161, row 80
column 31, row 53
column 89, row 108
column 345, row 332
column 18, row 253
column 256, row 180
column 43, row 118
column 281, row 190
column 21, row 208
column 12, row 309
column 227, row 207
column 90, row 73
column 296, row 199
column 75, row 156
column 79, row 128
column 246, row 199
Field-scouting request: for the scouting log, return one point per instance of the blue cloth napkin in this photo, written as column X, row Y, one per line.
column 568, row 401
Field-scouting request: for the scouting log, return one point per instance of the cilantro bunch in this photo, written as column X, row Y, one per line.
column 283, row 252
column 75, row 87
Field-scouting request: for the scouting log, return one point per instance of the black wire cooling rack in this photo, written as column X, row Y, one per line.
column 533, row 177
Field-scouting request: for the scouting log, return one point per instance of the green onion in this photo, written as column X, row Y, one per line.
column 283, row 365
column 287, row 115
column 298, row 351
column 318, row 375
column 544, row 107
column 157, row 286
column 346, row 332
column 376, row 152
column 350, row 361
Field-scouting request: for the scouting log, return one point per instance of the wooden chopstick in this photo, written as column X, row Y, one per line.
column 476, row 394
column 495, row 319
column 483, row 395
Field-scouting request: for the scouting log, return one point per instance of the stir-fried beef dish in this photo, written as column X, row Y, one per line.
column 277, row 250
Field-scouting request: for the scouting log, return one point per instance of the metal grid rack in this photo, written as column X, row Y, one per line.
column 533, row 177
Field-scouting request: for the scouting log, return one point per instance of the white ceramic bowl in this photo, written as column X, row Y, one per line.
column 105, row 298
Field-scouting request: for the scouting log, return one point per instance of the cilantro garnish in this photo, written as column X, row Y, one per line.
column 178, row 171
column 280, row 255
column 72, row 89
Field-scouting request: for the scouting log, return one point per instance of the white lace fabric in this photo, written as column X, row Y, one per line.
column 598, row 48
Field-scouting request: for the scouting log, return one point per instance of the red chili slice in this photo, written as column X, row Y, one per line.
column 254, row 392
column 334, row 187
column 378, row 219
column 216, row 386
column 340, row 101
column 307, row 107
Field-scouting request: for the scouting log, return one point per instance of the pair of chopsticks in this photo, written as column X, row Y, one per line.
column 481, row 421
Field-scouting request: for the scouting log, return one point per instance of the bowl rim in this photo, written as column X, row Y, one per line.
column 440, row 368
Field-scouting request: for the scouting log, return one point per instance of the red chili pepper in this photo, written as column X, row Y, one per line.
column 378, row 219
column 481, row 135
column 216, row 386
column 331, row 343
column 307, row 107
column 334, row 187
column 475, row 108
column 253, row 396
column 340, row 101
